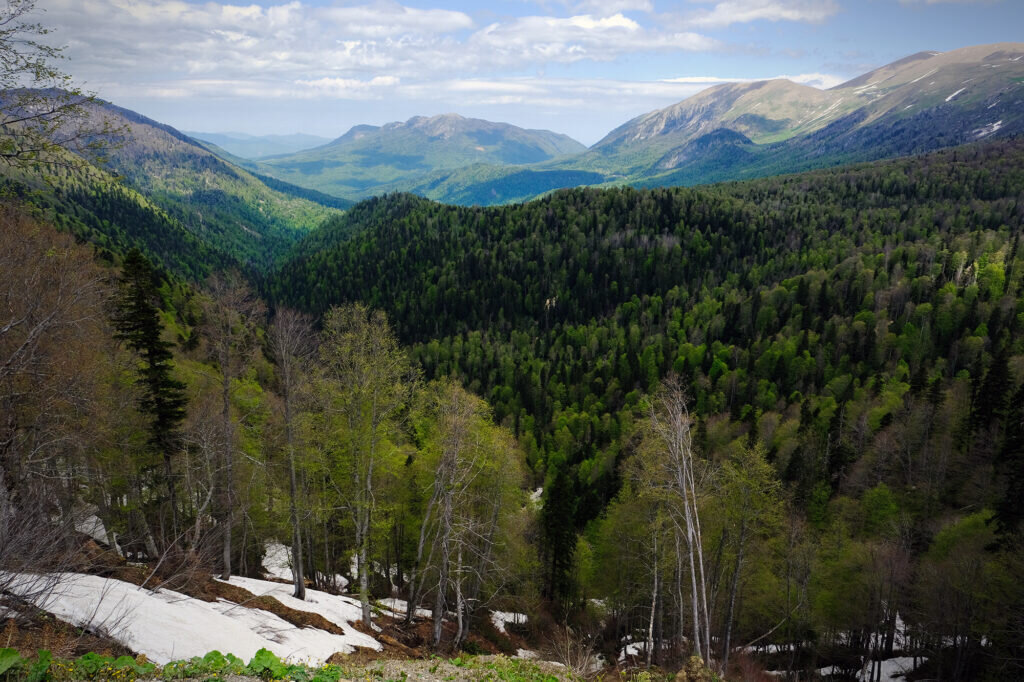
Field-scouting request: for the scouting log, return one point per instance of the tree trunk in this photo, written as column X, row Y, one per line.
column 439, row 601
column 732, row 596
column 654, row 605
column 228, row 470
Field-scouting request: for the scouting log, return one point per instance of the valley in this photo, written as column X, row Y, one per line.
column 736, row 393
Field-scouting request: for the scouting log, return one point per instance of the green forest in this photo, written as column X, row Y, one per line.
column 778, row 424
column 857, row 331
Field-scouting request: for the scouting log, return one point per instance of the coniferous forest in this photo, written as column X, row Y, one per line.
column 777, row 420
column 848, row 343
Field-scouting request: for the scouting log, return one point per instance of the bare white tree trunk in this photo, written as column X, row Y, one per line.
column 671, row 473
column 654, row 603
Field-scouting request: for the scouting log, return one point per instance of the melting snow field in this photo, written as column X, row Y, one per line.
column 988, row 130
column 337, row 609
column 503, row 618
column 400, row 607
column 955, row 94
column 277, row 561
column 894, row 669
column 166, row 625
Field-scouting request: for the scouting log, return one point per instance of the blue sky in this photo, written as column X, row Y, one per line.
column 580, row 67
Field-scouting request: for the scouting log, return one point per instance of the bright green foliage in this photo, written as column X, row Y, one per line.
column 880, row 510
column 266, row 665
column 837, row 294
column 862, row 324
column 9, row 658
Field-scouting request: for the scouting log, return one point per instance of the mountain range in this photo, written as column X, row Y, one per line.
column 926, row 101
column 248, row 146
column 193, row 206
column 369, row 160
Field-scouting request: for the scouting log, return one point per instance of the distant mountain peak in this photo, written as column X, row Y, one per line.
column 444, row 125
column 356, row 132
column 866, row 78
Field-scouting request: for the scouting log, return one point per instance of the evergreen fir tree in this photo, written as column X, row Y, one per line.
column 137, row 322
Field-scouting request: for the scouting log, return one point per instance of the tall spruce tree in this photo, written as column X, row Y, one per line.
column 137, row 322
column 559, row 541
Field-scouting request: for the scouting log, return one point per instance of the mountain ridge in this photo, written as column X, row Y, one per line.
column 369, row 159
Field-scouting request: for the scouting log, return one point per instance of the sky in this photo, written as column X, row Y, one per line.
column 578, row 67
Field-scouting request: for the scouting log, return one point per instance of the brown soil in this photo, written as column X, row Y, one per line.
column 39, row 630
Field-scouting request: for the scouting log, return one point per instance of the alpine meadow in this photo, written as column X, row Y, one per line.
column 353, row 387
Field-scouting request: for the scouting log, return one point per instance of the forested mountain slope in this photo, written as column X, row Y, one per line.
column 369, row 160
column 864, row 324
column 189, row 210
column 732, row 131
column 850, row 341
column 224, row 205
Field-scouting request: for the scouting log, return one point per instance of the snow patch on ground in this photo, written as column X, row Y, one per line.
column 955, row 94
column 89, row 524
column 503, row 618
column 400, row 607
column 536, row 495
column 277, row 561
column 337, row 609
column 924, row 76
column 632, row 649
column 988, row 130
column 300, row 645
column 866, row 87
column 894, row 669
column 166, row 625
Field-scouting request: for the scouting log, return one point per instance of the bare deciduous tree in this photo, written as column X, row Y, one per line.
column 42, row 113
column 51, row 311
column 292, row 344
column 229, row 317
column 670, row 470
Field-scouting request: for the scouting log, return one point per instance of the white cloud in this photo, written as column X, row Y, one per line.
column 561, row 92
column 604, row 8
column 170, row 46
column 823, row 81
column 349, row 88
column 390, row 19
column 729, row 12
column 577, row 38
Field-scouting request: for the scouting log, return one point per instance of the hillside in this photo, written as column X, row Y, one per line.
column 870, row 313
column 844, row 349
column 370, row 160
column 190, row 210
column 224, row 205
column 745, row 130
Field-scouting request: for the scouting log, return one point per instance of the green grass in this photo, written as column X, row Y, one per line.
column 264, row 665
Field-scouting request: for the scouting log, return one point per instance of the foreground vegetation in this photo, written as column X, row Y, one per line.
column 265, row 665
